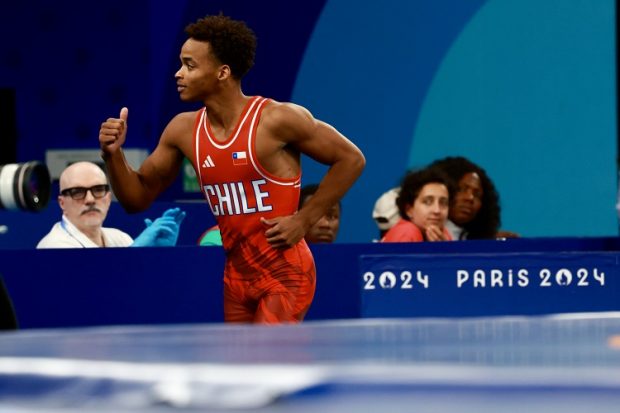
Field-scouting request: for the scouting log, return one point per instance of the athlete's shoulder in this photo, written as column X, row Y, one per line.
column 185, row 118
column 276, row 108
column 181, row 124
column 281, row 116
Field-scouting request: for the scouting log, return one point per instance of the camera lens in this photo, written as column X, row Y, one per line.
column 25, row 186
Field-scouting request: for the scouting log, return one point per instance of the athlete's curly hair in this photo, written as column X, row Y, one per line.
column 414, row 181
column 232, row 41
column 487, row 221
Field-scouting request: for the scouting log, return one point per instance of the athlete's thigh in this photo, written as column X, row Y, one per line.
column 277, row 308
column 237, row 309
column 288, row 301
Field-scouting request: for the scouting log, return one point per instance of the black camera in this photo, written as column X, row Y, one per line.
column 24, row 186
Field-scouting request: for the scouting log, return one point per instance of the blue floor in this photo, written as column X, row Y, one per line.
column 565, row 363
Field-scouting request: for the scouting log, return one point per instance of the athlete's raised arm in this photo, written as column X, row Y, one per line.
column 136, row 190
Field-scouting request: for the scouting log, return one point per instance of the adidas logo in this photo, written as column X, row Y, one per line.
column 208, row 163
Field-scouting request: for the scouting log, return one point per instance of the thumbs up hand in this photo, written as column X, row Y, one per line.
column 113, row 132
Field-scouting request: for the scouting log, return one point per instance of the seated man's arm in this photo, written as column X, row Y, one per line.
column 163, row 232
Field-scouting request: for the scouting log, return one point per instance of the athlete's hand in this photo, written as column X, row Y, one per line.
column 283, row 232
column 434, row 233
column 113, row 132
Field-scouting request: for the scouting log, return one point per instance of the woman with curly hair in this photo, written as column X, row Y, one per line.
column 474, row 209
column 423, row 203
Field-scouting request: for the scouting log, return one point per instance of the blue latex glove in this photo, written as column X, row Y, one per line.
column 163, row 232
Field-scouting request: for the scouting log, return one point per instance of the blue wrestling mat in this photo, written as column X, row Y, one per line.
column 564, row 363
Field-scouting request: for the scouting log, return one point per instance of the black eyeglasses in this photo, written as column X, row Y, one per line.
column 79, row 192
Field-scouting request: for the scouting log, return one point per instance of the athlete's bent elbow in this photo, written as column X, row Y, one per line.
column 359, row 163
column 134, row 206
column 130, row 209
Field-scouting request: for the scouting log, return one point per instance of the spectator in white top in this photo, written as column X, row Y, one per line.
column 85, row 199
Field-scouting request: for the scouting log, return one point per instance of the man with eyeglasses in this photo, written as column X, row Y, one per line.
column 85, row 199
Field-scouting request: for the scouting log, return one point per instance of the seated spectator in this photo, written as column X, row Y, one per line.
column 385, row 212
column 324, row 230
column 85, row 199
column 211, row 237
column 423, row 207
column 474, row 209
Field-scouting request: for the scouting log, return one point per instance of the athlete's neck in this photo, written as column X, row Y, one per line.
column 224, row 111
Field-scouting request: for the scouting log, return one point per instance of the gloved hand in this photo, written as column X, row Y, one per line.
column 163, row 232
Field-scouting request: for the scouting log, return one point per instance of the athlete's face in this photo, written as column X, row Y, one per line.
column 468, row 199
column 200, row 71
column 326, row 229
column 430, row 208
column 90, row 212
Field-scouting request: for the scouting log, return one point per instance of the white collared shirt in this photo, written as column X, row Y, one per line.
column 66, row 235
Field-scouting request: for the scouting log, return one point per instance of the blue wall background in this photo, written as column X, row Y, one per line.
column 525, row 88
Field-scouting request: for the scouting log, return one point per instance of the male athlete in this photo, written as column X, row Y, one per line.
column 246, row 153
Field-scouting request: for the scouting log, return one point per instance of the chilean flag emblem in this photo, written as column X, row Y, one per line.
column 240, row 158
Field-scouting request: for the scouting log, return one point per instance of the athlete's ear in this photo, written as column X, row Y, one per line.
column 224, row 72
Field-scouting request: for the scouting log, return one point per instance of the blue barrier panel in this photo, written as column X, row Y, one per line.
column 455, row 285
column 112, row 286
